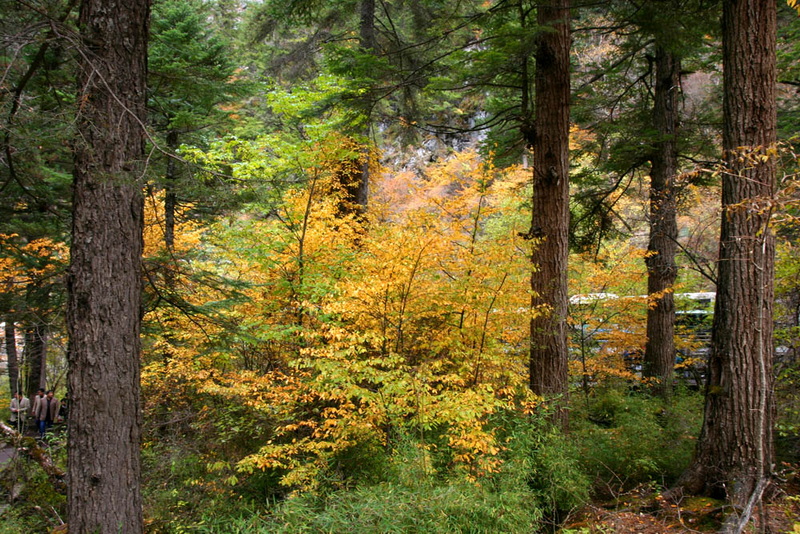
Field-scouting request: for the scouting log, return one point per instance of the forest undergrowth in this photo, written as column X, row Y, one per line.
column 605, row 475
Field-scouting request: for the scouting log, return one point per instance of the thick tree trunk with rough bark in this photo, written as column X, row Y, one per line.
column 550, row 221
column 104, row 283
column 734, row 453
column 659, row 355
column 10, row 333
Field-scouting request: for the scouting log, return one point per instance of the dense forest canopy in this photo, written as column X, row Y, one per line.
column 400, row 266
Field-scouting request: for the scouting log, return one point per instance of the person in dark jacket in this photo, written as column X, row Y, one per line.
column 35, row 406
column 47, row 412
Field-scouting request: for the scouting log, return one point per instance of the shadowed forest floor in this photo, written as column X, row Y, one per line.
column 644, row 511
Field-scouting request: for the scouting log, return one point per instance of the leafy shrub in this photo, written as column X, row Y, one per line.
column 638, row 439
column 546, row 460
column 179, row 489
column 410, row 490
column 414, row 499
column 38, row 508
column 454, row 507
column 539, row 475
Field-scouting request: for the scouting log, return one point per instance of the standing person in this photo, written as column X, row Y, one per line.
column 64, row 411
column 20, row 405
column 35, row 408
column 47, row 412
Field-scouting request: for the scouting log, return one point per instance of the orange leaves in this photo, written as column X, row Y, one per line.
column 357, row 331
column 418, row 333
column 450, row 265
column 188, row 234
column 394, row 290
column 607, row 314
column 475, row 448
column 30, row 262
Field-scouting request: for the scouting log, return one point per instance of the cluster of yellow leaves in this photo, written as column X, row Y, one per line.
column 189, row 233
column 608, row 315
column 30, row 262
column 412, row 326
column 411, row 320
column 175, row 358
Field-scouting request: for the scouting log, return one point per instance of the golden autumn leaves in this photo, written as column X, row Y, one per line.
column 353, row 332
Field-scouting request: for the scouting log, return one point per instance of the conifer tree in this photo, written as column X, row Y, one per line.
column 734, row 455
column 662, row 272
column 189, row 78
column 550, row 223
column 105, row 278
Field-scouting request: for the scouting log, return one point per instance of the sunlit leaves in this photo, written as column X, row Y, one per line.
column 411, row 320
column 416, row 325
column 26, row 263
column 607, row 314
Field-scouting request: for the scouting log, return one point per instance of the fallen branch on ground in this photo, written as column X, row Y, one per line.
column 30, row 448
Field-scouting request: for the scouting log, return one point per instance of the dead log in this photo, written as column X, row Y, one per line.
column 30, row 448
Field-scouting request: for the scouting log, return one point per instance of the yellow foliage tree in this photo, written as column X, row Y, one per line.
column 607, row 315
column 355, row 330
column 410, row 328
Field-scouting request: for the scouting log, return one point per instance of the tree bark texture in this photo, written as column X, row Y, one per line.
column 35, row 357
column 550, row 220
column 104, row 282
column 10, row 333
column 734, row 452
column 659, row 355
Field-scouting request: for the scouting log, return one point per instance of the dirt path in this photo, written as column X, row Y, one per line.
column 6, row 453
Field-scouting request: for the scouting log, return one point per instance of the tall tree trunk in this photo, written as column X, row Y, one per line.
column 659, row 355
column 735, row 450
column 10, row 333
column 358, row 190
column 35, row 357
column 104, row 282
column 550, row 221
column 170, row 195
column 170, row 206
column 367, row 25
